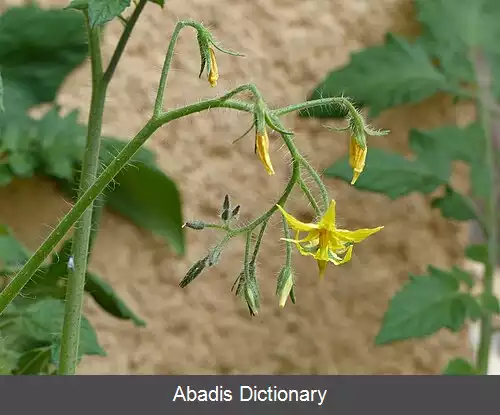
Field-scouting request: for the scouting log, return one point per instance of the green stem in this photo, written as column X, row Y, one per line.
column 158, row 108
column 314, row 174
column 483, row 77
column 307, row 192
column 120, row 47
column 31, row 266
column 90, row 167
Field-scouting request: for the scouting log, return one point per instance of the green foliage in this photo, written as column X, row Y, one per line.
column 53, row 145
column 426, row 304
column 403, row 71
column 405, row 74
column 101, row 12
column 44, row 296
column 38, row 50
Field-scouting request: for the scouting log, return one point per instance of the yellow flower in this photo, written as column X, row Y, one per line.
column 262, row 149
column 357, row 158
column 325, row 242
column 213, row 75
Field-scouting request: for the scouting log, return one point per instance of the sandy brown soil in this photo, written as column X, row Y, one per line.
column 289, row 46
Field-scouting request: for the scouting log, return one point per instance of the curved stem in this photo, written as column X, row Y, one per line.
column 158, row 108
column 31, row 266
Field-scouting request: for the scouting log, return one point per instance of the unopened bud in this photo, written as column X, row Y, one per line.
column 357, row 156
column 284, row 285
column 193, row 272
column 196, row 224
column 252, row 294
column 235, row 211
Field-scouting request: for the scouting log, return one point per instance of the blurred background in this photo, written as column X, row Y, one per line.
column 289, row 46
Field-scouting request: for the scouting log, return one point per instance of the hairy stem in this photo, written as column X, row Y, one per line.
column 90, row 167
column 36, row 260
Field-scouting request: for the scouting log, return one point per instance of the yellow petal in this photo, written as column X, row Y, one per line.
column 347, row 257
column 328, row 219
column 297, row 224
column 355, row 236
column 213, row 75
column 262, row 144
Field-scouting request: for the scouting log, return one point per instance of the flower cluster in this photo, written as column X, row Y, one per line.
column 323, row 240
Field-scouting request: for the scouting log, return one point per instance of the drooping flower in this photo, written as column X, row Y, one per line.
column 357, row 157
column 213, row 74
column 262, row 149
column 324, row 241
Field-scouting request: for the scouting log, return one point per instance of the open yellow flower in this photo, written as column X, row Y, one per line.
column 213, row 75
column 325, row 242
column 262, row 149
column 357, row 158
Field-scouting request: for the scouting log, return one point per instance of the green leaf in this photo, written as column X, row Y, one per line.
column 101, row 12
column 159, row 2
column 36, row 361
column 38, row 323
column 459, row 366
column 38, row 49
column 388, row 173
column 150, row 199
column 12, row 252
column 423, row 306
column 478, row 253
column 108, row 299
column 453, row 205
column 381, row 77
column 439, row 147
column 473, row 308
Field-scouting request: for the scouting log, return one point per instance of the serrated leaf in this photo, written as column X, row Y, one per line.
column 477, row 252
column 388, row 173
column 108, row 299
column 150, row 199
column 459, row 367
column 78, row 5
column 453, row 205
column 12, row 252
column 38, row 49
column 423, row 306
column 381, row 77
column 101, row 12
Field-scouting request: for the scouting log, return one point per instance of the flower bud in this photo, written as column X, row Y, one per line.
column 235, row 211
column 213, row 74
column 285, row 286
column 195, row 224
column 194, row 272
column 357, row 156
column 262, row 148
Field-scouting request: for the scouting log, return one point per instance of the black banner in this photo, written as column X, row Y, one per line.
column 241, row 395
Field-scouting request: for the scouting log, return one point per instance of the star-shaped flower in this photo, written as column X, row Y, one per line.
column 325, row 242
